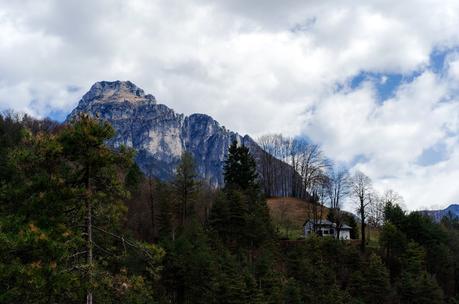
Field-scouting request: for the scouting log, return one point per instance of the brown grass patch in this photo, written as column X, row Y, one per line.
column 293, row 209
column 289, row 214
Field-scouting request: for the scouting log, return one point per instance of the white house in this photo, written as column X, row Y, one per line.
column 326, row 228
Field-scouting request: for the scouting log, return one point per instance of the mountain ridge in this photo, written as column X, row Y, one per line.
column 158, row 133
column 437, row 215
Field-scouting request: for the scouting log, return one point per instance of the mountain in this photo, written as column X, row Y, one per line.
column 157, row 133
column 437, row 215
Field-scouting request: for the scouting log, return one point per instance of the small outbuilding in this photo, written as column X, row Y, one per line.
column 326, row 228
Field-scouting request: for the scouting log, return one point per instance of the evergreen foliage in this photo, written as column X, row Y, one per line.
column 207, row 245
column 240, row 168
column 185, row 186
column 44, row 216
column 371, row 283
column 240, row 214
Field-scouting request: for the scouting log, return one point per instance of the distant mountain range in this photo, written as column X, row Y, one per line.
column 158, row 134
column 437, row 215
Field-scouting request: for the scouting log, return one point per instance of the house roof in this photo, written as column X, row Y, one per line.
column 324, row 222
column 319, row 222
column 344, row 226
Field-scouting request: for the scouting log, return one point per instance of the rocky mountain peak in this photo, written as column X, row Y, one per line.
column 116, row 91
column 158, row 134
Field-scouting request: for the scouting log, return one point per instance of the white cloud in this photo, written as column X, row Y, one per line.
column 256, row 66
column 391, row 136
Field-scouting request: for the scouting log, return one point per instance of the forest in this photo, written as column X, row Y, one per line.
column 79, row 222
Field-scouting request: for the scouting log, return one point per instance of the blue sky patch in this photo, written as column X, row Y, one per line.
column 386, row 84
column 58, row 115
column 433, row 155
column 360, row 158
column 437, row 61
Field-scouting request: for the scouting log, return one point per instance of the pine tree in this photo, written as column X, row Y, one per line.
column 61, row 183
column 186, row 186
column 219, row 217
column 190, row 268
column 292, row 292
column 36, row 241
column 94, row 174
column 134, row 178
column 416, row 285
column 167, row 221
column 240, row 168
column 11, row 135
column 354, row 228
column 393, row 243
column 377, row 283
column 246, row 216
column 237, row 226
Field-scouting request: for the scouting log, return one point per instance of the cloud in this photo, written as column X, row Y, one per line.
column 392, row 136
column 257, row 67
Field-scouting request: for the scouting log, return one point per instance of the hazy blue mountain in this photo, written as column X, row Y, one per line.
column 157, row 133
column 437, row 215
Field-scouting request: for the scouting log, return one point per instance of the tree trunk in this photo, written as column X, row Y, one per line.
column 89, row 249
column 152, row 208
column 362, row 223
column 89, row 242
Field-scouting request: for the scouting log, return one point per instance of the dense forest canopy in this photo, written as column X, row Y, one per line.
column 80, row 222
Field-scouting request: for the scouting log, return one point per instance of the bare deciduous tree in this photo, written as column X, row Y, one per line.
column 276, row 165
column 374, row 212
column 271, row 169
column 307, row 164
column 338, row 188
column 319, row 195
column 390, row 196
column 361, row 188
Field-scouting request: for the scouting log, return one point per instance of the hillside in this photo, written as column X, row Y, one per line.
column 289, row 214
column 296, row 210
column 159, row 250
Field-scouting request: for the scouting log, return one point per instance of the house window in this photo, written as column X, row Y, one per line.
column 325, row 231
column 332, row 231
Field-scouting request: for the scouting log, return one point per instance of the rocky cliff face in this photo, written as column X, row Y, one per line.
column 157, row 133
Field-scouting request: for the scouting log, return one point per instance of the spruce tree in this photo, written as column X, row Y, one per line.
column 240, row 168
column 185, row 186
column 247, row 217
column 190, row 268
column 376, row 286
column 167, row 221
column 11, row 135
column 416, row 284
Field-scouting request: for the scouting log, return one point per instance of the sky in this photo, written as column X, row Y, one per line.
column 375, row 83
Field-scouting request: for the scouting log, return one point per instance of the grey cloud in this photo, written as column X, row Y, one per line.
column 241, row 62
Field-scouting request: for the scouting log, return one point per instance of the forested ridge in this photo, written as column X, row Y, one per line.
column 79, row 222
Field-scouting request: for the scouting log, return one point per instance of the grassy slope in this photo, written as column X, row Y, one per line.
column 289, row 214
